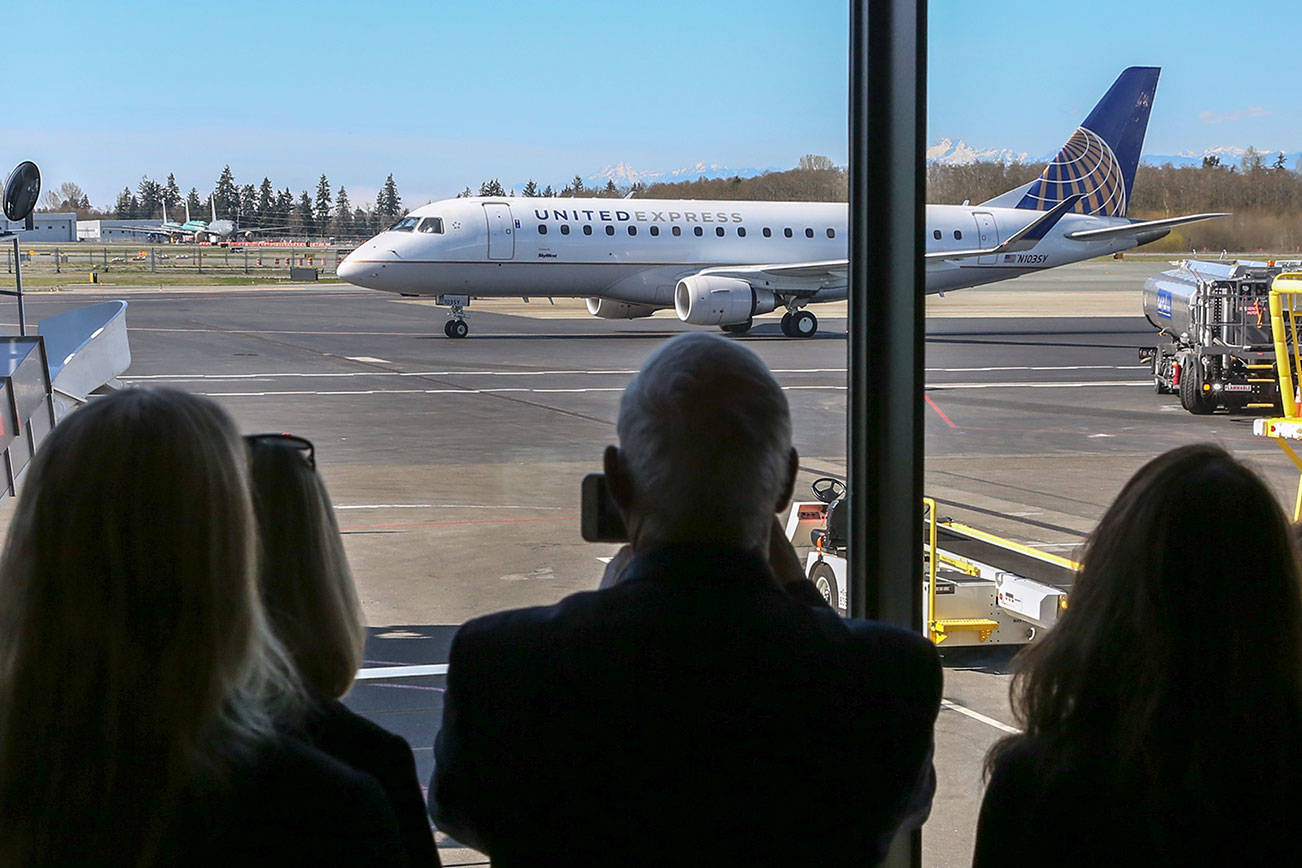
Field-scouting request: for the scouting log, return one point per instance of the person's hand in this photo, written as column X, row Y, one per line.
column 615, row 568
column 782, row 556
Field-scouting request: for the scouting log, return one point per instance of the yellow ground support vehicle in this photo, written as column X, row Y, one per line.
column 1286, row 430
column 978, row 588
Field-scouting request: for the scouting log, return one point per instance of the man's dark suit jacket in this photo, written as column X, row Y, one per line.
column 694, row 713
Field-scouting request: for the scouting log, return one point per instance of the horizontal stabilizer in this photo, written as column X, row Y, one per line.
column 1023, row 239
column 1139, row 228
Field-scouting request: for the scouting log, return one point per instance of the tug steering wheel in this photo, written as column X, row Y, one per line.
column 828, row 488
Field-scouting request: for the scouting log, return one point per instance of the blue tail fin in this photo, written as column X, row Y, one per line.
column 1099, row 160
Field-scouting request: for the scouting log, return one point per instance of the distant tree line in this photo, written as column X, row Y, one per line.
column 324, row 213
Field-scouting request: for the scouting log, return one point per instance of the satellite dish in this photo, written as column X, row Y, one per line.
column 22, row 190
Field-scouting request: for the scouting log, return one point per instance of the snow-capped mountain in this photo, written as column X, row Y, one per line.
column 1229, row 155
column 948, row 152
column 623, row 174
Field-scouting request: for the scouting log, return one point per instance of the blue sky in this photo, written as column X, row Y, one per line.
column 445, row 95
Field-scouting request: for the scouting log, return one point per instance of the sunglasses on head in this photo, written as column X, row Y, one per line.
column 302, row 444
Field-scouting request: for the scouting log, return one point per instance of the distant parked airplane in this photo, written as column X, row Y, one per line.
column 198, row 230
column 722, row 263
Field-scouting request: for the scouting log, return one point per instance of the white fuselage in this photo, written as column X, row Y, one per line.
column 635, row 250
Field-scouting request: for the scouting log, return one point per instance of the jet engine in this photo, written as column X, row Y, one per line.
column 704, row 299
column 607, row 309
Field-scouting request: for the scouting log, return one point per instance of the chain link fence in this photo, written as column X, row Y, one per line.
column 85, row 262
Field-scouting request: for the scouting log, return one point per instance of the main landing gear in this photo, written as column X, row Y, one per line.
column 456, row 328
column 799, row 324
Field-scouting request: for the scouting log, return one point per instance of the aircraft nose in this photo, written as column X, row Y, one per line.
column 356, row 270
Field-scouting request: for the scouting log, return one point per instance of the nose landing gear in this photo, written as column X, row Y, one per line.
column 456, row 326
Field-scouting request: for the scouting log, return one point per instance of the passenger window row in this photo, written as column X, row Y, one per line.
column 654, row 231
column 936, row 233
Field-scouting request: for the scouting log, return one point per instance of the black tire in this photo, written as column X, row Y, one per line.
column 1192, row 396
column 738, row 328
column 786, row 324
column 447, row 327
column 804, row 324
column 459, row 329
column 824, row 579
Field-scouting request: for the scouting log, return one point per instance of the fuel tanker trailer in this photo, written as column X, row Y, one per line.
column 1214, row 344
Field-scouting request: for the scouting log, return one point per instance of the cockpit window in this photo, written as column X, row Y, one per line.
column 433, row 225
column 406, row 224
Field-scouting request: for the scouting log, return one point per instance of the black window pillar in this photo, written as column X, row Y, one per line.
column 888, row 77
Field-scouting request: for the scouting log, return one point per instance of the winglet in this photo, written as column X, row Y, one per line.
column 1100, row 159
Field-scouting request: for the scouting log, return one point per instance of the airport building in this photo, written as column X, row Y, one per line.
column 114, row 230
column 58, row 226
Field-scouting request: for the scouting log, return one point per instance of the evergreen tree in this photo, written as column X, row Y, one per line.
column 362, row 221
column 284, row 204
column 387, row 201
column 576, row 187
column 465, row 194
column 548, row 192
column 150, row 200
column 611, row 191
column 126, row 206
column 171, row 192
column 322, row 213
column 530, row 189
column 248, row 202
column 1278, row 165
column 192, row 202
column 491, row 188
column 303, row 219
column 343, row 213
column 226, row 195
column 266, row 207
column 1211, row 161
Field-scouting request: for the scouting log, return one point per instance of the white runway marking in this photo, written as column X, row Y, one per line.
column 438, row 506
column 402, row 671
column 271, row 375
column 810, row 388
column 371, row 359
column 975, row 715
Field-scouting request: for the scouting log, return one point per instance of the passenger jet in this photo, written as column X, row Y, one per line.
column 723, row 263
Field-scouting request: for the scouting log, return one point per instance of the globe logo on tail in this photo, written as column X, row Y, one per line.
column 1085, row 165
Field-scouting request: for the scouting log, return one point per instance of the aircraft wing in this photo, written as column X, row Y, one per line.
column 793, row 278
column 152, row 230
column 1139, row 227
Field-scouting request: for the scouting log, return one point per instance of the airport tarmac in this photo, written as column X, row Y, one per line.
column 455, row 465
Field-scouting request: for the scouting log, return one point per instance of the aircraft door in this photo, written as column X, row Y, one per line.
column 501, row 230
column 987, row 236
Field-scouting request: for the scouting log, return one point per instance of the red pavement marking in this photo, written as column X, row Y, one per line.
column 933, row 405
column 464, row 521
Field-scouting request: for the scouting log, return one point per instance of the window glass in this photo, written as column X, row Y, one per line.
column 406, row 224
column 655, row 230
column 958, row 236
column 610, row 230
column 787, row 232
column 809, row 233
column 936, row 235
column 587, row 229
column 565, row 229
column 678, row 230
column 741, row 231
column 632, row 230
column 718, row 230
column 831, row 233
column 542, row 228
column 432, row 225
column 698, row 230
column 768, row 233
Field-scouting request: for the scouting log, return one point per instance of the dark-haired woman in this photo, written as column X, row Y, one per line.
column 308, row 593
column 1162, row 714
column 141, row 690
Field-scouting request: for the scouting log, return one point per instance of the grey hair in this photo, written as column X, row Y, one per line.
column 135, row 660
column 705, row 436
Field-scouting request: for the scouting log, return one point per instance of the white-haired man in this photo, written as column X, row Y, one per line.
column 704, row 706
